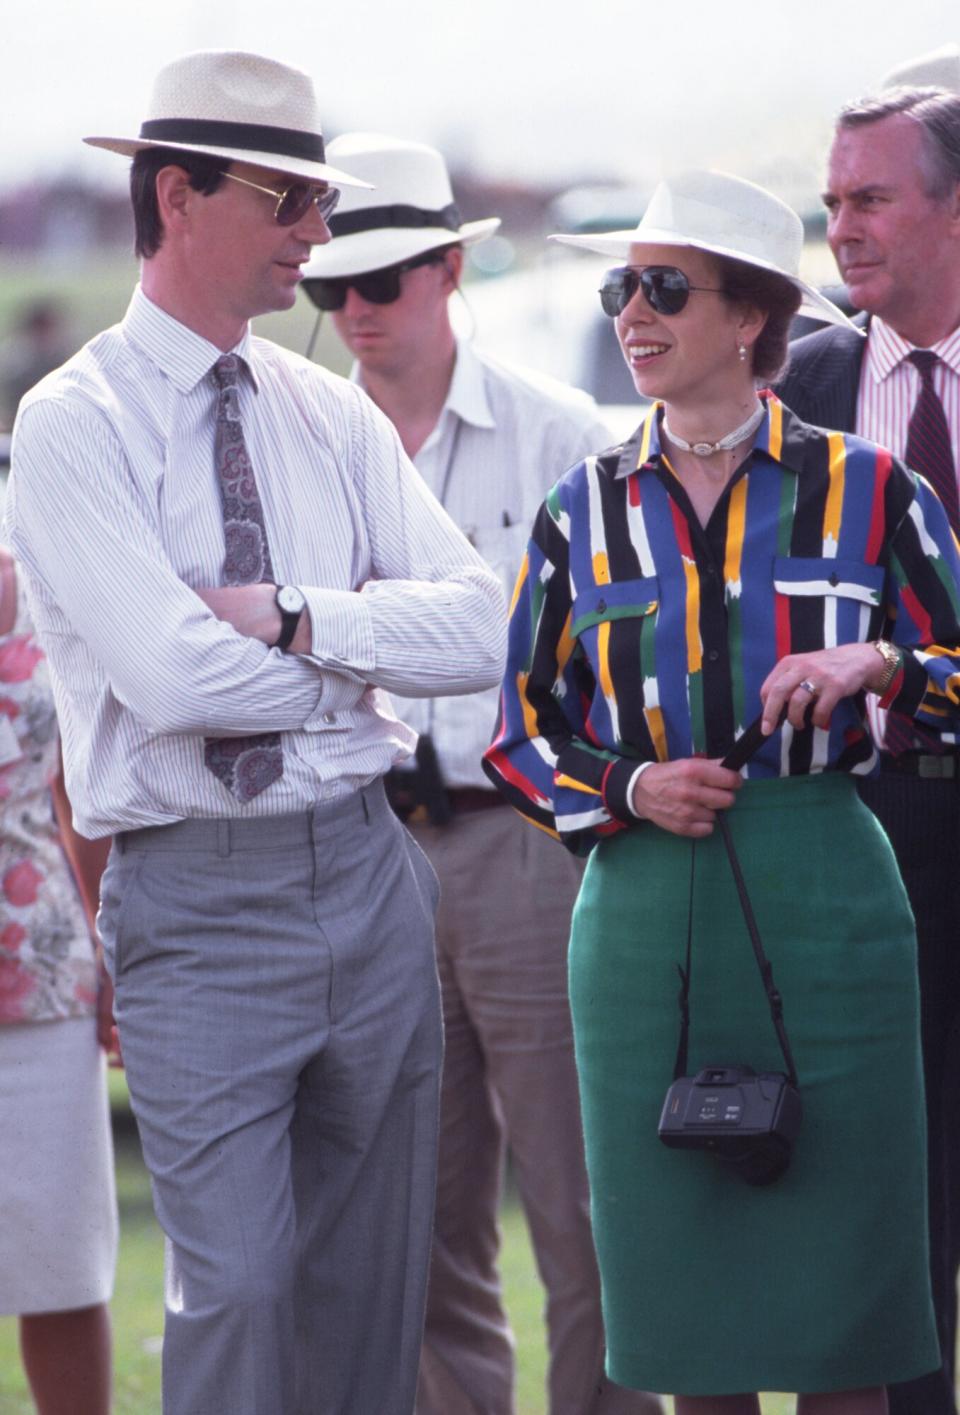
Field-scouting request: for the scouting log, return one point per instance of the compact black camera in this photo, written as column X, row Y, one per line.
column 749, row 1120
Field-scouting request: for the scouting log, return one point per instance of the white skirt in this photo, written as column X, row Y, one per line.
column 58, row 1230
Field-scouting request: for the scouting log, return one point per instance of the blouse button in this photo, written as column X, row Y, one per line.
column 834, row 579
column 713, row 655
column 601, row 606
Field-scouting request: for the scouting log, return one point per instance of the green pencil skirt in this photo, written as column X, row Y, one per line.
column 820, row 1281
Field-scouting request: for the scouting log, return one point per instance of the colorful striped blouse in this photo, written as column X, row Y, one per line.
column 639, row 635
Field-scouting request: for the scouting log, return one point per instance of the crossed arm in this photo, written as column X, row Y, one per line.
column 429, row 618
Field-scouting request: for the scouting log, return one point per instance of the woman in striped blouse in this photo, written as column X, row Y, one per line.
column 730, row 561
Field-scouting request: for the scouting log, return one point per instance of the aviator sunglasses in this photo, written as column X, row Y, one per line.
column 295, row 199
column 377, row 287
column 665, row 288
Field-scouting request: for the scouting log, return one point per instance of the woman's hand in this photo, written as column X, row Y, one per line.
column 684, row 796
column 820, row 680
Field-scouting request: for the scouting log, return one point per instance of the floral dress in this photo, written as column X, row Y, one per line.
column 47, row 964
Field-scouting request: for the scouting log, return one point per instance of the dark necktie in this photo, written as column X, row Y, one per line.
column 928, row 440
column 245, row 765
column 928, row 452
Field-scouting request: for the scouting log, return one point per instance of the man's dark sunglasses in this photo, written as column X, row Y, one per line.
column 377, row 287
column 295, row 199
column 665, row 288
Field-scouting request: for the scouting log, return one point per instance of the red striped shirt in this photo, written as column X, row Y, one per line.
column 889, row 388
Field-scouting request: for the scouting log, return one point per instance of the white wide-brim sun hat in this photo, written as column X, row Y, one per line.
column 726, row 216
column 940, row 68
column 405, row 209
column 241, row 107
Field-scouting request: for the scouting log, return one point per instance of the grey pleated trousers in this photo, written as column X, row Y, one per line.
column 278, row 1009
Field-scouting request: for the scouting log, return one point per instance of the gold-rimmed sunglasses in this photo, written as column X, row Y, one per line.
column 295, row 199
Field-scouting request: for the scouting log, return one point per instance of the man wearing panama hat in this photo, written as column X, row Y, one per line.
column 230, row 559
column 488, row 442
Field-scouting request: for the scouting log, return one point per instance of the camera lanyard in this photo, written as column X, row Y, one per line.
column 741, row 751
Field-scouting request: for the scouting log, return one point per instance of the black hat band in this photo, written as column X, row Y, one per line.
column 375, row 218
column 253, row 137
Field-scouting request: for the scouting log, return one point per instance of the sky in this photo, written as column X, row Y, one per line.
column 517, row 89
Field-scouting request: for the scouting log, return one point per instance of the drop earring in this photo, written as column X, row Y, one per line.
column 742, row 351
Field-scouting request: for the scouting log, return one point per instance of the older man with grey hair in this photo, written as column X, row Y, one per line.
column 893, row 222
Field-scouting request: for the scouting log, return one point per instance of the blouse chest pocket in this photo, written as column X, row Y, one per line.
column 845, row 591
column 631, row 603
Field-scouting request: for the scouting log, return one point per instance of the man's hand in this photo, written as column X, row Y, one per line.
column 253, row 612
column 107, row 1034
column 684, row 796
column 819, row 679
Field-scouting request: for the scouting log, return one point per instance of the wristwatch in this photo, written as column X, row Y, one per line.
column 893, row 658
column 291, row 603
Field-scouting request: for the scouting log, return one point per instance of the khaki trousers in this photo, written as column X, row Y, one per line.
column 509, row 1081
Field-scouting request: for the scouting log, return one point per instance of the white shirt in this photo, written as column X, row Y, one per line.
column 502, row 440
column 113, row 511
column 889, row 388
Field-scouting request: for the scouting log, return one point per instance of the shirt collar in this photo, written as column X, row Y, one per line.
column 886, row 350
column 773, row 437
column 468, row 388
column 184, row 356
column 467, row 395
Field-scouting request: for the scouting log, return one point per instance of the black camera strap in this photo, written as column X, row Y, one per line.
column 742, row 750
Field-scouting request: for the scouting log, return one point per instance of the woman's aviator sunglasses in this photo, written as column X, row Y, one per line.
column 377, row 287
column 295, row 199
column 665, row 288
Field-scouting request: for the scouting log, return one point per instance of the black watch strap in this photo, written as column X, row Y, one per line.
column 289, row 619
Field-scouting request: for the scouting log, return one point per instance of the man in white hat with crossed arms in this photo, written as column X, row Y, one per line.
column 229, row 559
column 489, row 443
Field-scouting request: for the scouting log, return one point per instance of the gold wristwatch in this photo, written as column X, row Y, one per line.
column 893, row 658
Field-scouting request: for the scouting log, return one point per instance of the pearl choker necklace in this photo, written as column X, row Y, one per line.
column 707, row 449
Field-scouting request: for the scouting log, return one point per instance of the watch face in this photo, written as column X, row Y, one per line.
column 290, row 599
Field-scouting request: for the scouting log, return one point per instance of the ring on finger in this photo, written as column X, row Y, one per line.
column 809, row 687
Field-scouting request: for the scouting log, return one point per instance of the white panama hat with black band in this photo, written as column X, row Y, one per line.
column 725, row 216
column 241, row 107
column 406, row 209
column 940, row 68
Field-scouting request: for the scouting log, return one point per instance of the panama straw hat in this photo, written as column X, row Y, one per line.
column 726, row 216
column 241, row 107
column 409, row 211
column 940, row 68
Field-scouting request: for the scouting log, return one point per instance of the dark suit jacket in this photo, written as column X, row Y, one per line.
column 823, row 377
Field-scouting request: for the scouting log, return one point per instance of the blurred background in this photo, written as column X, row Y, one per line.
column 553, row 117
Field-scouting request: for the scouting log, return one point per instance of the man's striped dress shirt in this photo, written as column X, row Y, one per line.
column 113, row 511
column 638, row 635
column 890, row 387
